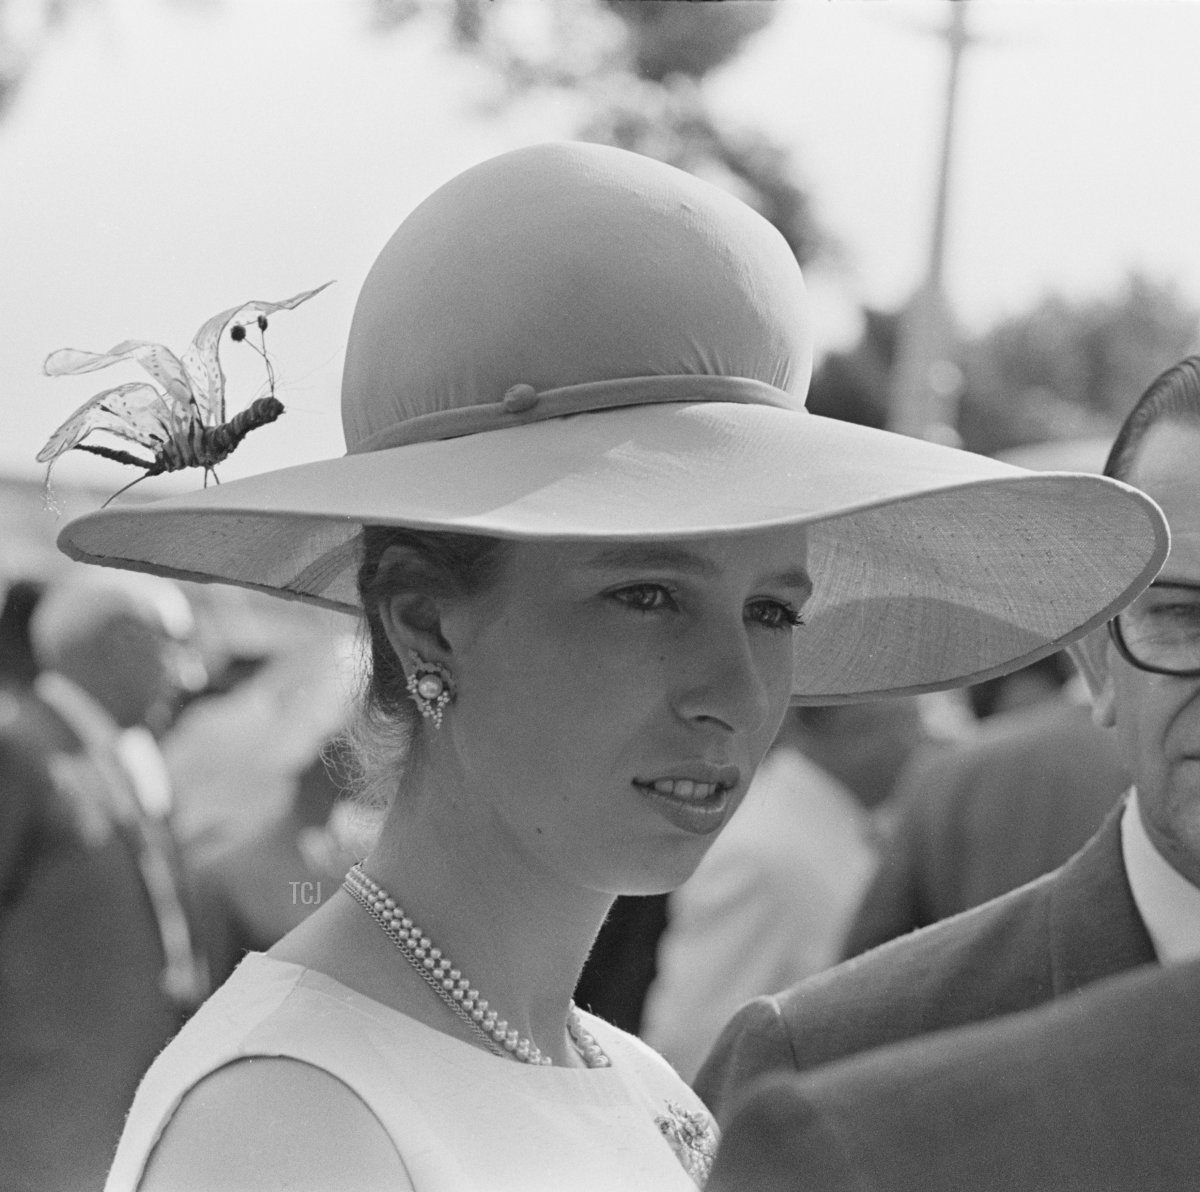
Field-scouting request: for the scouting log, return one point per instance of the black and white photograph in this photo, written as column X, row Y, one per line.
column 599, row 595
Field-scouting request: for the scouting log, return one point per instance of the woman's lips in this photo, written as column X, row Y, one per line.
column 697, row 802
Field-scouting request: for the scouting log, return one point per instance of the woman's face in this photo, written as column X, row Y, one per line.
column 614, row 700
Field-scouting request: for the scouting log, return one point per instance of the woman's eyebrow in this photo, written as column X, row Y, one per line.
column 651, row 554
column 680, row 559
column 797, row 578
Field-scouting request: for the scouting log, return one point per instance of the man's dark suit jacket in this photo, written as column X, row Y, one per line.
column 1051, row 937
column 1099, row 1092
column 983, row 816
column 82, row 1013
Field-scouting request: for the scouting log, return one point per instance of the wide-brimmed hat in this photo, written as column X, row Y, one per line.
column 571, row 341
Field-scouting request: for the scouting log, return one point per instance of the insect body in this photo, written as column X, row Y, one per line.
column 197, row 445
column 181, row 419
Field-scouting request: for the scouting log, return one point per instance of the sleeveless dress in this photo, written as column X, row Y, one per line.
column 461, row 1119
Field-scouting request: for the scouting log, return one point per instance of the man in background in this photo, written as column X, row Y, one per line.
column 1100, row 1090
column 977, row 818
column 1130, row 897
column 99, row 963
column 17, row 666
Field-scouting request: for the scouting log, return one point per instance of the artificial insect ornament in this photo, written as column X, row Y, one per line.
column 183, row 422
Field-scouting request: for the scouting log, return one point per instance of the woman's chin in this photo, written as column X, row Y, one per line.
column 664, row 872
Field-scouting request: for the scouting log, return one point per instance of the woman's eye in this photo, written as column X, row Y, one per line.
column 645, row 598
column 774, row 614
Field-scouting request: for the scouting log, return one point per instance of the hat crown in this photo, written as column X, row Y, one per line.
column 568, row 264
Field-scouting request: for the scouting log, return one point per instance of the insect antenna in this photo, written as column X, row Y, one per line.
column 262, row 338
column 238, row 334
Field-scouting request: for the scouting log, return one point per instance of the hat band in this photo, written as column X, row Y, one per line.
column 522, row 403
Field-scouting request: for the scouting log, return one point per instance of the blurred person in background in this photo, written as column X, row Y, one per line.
column 279, row 690
column 17, row 664
column 1026, row 688
column 771, row 900
column 262, row 882
column 257, row 767
column 1129, row 897
column 623, row 961
column 973, row 819
column 99, row 960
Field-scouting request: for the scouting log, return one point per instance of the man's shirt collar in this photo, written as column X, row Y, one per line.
column 1168, row 903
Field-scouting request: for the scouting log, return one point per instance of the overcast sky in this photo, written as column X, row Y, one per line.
column 165, row 161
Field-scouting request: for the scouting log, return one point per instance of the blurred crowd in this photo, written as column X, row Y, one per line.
column 176, row 792
column 169, row 799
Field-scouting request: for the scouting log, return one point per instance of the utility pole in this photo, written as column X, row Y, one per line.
column 925, row 385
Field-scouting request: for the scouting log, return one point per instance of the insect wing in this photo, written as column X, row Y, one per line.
column 257, row 308
column 158, row 360
column 202, row 361
column 136, row 411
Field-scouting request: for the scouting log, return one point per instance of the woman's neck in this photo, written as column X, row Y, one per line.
column 519, row 937
column 518, row 932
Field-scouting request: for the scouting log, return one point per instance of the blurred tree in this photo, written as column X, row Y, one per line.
column 24, row 27
column 633, row 71
column 853, row 385
column 669, row 38
column 1068, row 369
column 1061, row 370
column 672, row 122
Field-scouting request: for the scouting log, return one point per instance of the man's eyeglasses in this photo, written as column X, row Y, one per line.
column 1160, row 631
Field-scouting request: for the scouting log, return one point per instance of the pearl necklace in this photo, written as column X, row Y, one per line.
column 437, row 971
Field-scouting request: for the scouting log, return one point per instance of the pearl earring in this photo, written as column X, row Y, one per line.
column 430, row 686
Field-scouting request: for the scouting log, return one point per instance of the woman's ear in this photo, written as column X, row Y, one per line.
column 410, row 616
column 1092, row 655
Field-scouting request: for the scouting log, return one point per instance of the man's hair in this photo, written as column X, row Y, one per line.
column 1173, row 394
column 78, row 605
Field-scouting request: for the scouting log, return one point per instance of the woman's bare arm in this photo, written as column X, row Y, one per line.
column 273, row 1125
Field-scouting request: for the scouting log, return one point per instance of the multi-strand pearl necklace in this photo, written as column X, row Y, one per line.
column 439, row 973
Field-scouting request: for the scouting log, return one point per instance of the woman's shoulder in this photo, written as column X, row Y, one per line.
column 250, row 1068
column 275, row 1118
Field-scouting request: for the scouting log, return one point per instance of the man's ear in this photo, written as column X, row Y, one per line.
column 1093, row 656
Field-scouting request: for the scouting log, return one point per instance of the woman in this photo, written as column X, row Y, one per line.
column 599, row 546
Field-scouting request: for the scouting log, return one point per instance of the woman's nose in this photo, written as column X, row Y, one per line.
column 724, row 683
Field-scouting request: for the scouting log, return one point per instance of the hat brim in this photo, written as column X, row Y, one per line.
column 932, row 567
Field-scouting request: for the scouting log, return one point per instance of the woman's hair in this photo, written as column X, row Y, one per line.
column 1174, row 395
column 436, row 564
